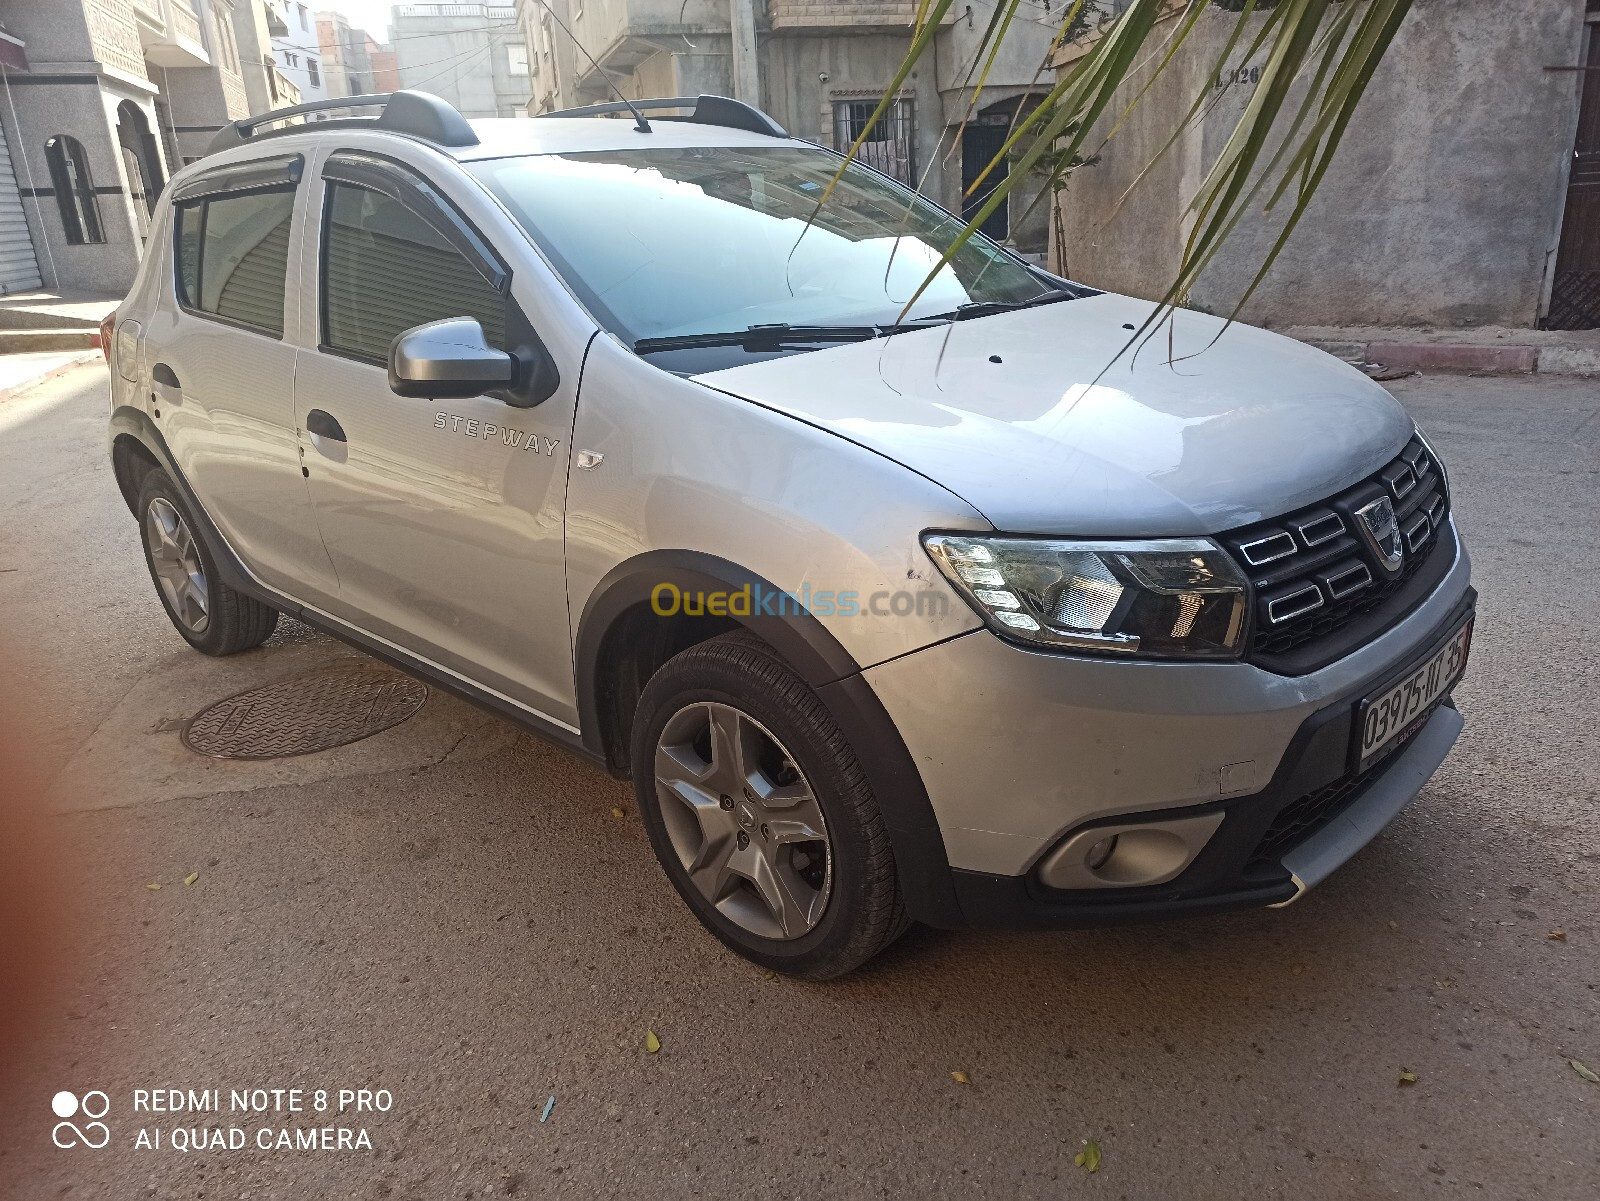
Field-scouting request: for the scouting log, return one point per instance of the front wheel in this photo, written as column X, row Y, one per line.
column 759, row 811
column 212, row 617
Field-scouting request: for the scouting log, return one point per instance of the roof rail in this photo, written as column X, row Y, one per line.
column 419, row 114
column 708, row 110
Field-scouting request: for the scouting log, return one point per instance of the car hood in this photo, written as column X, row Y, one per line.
column 1024, row 416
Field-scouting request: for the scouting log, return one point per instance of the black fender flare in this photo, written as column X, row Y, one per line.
column 819, row 659
column 130, row 422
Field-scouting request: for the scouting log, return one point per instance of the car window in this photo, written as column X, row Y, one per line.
column 688, row 240
column 233, row 256
column 384, row 270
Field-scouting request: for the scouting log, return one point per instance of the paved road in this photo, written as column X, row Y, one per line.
column 451, row 912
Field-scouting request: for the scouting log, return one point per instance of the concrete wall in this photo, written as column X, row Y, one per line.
column 1442, row 206
column 856, row 66
column 88, row 113
column 459, row 52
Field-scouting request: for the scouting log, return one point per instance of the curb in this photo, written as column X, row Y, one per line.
column 1468, row 357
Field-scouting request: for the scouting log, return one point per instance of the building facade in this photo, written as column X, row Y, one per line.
column 473, row 55
column 346, row 58
column 104, row 100
column 820, row 68
column 1466, row 191
column 385, row 68
column 265, row 85
column 295, row 47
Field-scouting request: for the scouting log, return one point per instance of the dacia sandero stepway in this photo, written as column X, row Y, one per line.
column 896, row 590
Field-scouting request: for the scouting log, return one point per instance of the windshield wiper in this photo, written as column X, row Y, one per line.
column 988, row 308
column 766, row 337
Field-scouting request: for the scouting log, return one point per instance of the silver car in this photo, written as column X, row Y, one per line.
column 898, row 590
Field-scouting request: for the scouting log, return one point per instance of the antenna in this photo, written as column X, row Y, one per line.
column 640, row 123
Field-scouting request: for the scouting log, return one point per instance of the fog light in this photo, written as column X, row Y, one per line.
column 1100, row 852
column 1127, row 856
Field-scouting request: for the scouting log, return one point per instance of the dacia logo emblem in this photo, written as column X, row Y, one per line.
column 1378, row 526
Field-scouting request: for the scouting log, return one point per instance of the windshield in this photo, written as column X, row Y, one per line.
column 695, row 240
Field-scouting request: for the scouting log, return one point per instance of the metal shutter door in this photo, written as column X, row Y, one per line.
column 19, row 272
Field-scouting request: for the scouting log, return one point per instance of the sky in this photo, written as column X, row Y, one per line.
column 371, row 15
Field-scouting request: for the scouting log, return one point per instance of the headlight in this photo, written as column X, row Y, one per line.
column 1180, row 598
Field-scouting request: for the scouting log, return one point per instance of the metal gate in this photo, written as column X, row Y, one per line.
column 1575, row 290
column 890, row 147
column 980, row 142
column 19, row 271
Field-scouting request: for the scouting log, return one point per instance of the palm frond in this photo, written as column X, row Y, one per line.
column 1320, row 56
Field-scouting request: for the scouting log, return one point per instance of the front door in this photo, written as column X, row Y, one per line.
column 444, row 519
column 222, row 375
column 1575, row 291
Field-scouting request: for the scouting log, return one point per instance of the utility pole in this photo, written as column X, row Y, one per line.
column 746, row 69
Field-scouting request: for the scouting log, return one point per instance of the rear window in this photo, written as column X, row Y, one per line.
column 233, row 257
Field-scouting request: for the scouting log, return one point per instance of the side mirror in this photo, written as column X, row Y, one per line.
column 447, row 360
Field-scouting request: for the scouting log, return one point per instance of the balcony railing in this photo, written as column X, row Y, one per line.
column 169, row 31
column 185, row 21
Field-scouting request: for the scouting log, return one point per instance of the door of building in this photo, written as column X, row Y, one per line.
column 980, row 142
column 1575, row 290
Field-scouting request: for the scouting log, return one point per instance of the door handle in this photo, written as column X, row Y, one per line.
column 164, row 382
column 322, row 425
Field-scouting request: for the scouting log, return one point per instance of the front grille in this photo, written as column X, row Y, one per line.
column 1303, row 817
column 1313, row 572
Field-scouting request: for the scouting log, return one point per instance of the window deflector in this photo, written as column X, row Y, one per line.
column 255, row 175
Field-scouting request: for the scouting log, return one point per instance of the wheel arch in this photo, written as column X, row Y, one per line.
column 131, row 461
column 621, row 641
column 137, row 448
column 620, row 635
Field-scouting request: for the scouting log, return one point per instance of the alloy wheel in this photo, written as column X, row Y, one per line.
column 175, row 557
column 743, row 821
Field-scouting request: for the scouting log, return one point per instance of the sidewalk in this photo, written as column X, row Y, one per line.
column 37, row 322
column 1488, row 350
column 19, row 372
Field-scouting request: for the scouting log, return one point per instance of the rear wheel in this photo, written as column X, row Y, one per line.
column 759, row 811
column 212, row 617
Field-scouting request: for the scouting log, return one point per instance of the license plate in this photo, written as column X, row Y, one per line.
column 1395, row 712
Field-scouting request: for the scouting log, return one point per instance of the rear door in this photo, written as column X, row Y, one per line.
column 444, row 519
column 222, row 374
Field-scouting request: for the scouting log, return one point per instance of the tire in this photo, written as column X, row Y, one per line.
column 733, row 829
column 212, row 617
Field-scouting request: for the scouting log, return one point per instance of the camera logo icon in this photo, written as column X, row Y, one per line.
column 93, row 1105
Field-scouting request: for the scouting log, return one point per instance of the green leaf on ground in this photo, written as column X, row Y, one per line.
column 1407, row 1076
column 191, row 877
column 1584, row 1070
column 153, row 887
column 1089, row 1158
column 652, row 1044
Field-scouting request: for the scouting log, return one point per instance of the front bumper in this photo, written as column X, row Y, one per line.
column 1021, row 750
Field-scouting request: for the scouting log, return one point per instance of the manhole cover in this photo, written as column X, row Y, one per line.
column 305, row 713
